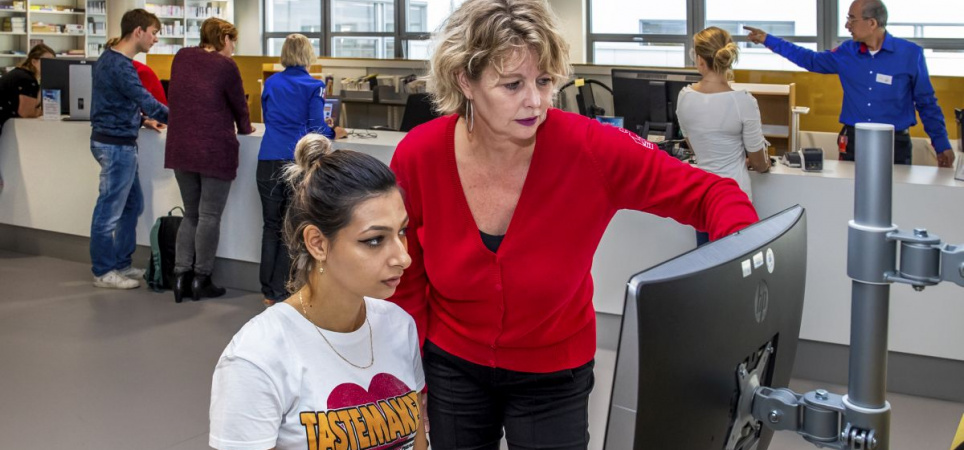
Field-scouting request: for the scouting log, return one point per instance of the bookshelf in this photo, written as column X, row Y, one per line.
column 72, row 28
column 181, row 21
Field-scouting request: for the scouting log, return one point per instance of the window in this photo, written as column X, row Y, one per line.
column 358, row 28
column 363, row 47
column 425, row 16
column 640, row 54
column 784, row 18
column 293, row 16
column 354, row 16
column 655, row 33
column 273, row 46
column 658, row 33
column 638, row 17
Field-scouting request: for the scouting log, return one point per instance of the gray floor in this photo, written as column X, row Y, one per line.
column 87, row 368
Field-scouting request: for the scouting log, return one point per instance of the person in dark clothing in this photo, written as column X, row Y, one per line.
column 292, row 105
column 208, row 110
column 20, row 88
column 120, row 105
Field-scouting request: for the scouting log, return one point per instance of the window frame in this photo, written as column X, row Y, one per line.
column 696, row 20
column 326, row 36
column 828, row 21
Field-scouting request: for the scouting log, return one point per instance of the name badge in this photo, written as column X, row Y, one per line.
column 886, row 79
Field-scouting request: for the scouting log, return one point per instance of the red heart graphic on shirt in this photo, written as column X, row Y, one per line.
column 382, row 387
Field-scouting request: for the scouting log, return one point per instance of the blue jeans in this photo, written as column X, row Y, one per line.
column 119, row 203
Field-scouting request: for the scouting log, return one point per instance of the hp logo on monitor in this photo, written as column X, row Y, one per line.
column 761, row 302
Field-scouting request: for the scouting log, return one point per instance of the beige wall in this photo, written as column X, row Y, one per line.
column 573, row 17
column 247, row 17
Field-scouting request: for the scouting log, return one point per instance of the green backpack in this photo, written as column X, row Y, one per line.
column 160, row 272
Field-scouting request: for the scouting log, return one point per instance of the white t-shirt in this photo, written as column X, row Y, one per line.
column 278, row 384
column 720, row 127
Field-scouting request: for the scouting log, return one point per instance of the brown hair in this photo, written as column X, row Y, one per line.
column 36, row 53
column 213, row 31
column 716, row 48
column 484, row 33
column 137, row 18
column 326, row 188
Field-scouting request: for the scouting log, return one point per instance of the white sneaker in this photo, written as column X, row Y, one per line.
column 132, row 273
column 114, row 280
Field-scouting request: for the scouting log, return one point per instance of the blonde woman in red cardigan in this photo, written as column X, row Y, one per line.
column 508, row 200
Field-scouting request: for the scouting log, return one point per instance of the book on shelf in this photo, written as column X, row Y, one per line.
column 97, row 7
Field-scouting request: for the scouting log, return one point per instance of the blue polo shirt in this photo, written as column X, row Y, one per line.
column 292, row 105
column 881, row 88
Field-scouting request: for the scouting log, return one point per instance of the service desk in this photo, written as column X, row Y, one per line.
column 51, row 184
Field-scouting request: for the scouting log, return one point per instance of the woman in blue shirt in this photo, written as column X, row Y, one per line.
column 292, row 105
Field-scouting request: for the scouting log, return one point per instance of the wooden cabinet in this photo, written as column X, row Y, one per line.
column 777, row 102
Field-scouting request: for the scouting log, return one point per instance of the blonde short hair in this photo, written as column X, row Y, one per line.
column 715, row 46
column 297, row 51
column 484, row 33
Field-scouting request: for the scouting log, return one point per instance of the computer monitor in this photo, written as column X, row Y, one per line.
column 646, row 99
column 81, row 91
column 691, row 323
column 56, row 75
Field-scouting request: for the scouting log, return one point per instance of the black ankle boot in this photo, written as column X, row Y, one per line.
column 203, row 287
column 182, row 285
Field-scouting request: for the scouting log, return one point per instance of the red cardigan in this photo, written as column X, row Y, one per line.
column 529, row 307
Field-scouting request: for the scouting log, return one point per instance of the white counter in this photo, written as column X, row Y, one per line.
column 51, row 184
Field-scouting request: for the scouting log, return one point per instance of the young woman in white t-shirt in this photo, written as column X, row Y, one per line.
column 329, row 367
column 721, row 125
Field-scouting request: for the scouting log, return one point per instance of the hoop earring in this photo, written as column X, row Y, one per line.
column 471, row 113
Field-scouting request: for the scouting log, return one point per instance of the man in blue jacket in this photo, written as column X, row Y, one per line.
column 120, row 106
column 883, row 77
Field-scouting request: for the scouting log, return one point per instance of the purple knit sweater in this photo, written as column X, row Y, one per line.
column 207, row 101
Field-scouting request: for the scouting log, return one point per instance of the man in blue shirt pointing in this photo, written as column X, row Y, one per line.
column 883, row 78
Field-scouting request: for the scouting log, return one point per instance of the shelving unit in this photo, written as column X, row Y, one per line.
column 181, row 21
column 73, row 28
column 776, row 111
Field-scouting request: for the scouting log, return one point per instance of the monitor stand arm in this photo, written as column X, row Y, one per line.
column 816, row 415
column 861, row 419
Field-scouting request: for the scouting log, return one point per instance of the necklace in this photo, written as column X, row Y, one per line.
column 371, row 341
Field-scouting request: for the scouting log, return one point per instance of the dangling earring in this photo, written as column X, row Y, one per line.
column 321, row 270
column 471, row 114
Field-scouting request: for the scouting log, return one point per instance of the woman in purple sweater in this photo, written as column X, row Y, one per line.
column 208, row 109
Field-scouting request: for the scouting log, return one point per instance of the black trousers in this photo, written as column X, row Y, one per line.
column 469, row 405
column 275, row 197
column 198, row 236
column 902, row 145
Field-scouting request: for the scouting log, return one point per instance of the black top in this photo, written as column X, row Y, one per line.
column 13, row 84
column 491, row 242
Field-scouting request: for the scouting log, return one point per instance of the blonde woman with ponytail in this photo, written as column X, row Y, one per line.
column 329, row 359
column 721, row 125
